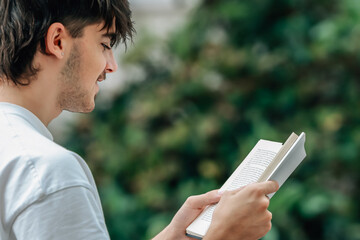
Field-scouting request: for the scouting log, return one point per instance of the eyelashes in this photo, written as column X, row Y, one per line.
column 106, row 47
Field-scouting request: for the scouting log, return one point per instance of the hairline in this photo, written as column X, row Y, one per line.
column 113, row 35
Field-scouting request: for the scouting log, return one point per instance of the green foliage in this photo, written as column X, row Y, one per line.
column 238, row 72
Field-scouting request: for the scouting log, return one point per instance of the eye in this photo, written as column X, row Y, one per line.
column 106, row 47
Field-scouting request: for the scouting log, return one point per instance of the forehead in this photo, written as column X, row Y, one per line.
column 102, row 29
column 99, row 30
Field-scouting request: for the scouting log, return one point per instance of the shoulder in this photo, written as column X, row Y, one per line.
column 58, row 168
column 38, row 170
column 47, row 163
column 44, row 169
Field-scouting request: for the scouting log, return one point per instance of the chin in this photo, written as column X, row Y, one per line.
column 89, row 109
column 83, row 108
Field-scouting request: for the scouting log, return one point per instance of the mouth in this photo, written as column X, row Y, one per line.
column 101, row 78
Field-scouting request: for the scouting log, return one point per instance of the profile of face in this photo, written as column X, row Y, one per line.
column 87, row 64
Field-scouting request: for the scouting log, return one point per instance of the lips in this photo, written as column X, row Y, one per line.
column 102, row 77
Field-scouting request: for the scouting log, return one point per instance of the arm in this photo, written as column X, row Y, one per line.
column 71, row 213
column 192, row 207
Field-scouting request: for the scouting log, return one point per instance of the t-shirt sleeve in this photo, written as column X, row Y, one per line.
column 71, row 213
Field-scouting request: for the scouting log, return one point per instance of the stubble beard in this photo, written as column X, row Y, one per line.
column 73, row 96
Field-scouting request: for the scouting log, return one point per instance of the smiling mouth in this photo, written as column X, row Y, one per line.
column 102, row 77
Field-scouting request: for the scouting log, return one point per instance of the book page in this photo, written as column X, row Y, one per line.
column 252, row 169
column 253, row 166
column 250, row 173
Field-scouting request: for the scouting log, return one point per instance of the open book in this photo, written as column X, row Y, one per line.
column 268, row 160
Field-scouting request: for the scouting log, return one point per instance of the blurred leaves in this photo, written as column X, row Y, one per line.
column 237, row 72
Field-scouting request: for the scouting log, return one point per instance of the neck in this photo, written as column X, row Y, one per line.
column 38, row 100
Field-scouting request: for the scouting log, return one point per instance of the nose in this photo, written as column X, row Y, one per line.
column 111, row 65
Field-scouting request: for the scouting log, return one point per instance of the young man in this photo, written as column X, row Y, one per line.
column 53, row 54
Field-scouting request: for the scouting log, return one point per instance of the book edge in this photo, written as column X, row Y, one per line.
column 278, row 157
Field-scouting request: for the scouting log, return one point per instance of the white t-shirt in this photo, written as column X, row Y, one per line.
column 46, row 191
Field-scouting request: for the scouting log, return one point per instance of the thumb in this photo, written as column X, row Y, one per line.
column 268, row 186
column 201, row 201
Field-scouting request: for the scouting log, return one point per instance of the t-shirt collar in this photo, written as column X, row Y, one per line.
column 28, row 116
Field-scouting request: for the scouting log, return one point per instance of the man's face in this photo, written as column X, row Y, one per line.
column 87, row 64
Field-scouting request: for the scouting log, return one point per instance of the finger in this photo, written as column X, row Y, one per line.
column 268, row 187
column 201, row 201
column 231, row 192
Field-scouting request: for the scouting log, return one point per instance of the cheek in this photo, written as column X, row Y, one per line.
column 94, row 65
column 100, row 61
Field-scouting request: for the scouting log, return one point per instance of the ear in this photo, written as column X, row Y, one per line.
column 56, row 40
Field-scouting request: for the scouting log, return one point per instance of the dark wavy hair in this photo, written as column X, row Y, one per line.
column 24, row 24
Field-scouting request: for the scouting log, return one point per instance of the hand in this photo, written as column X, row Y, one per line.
column 192, row 208
column 242, row 214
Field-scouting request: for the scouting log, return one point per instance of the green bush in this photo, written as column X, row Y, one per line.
column 239, row 71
